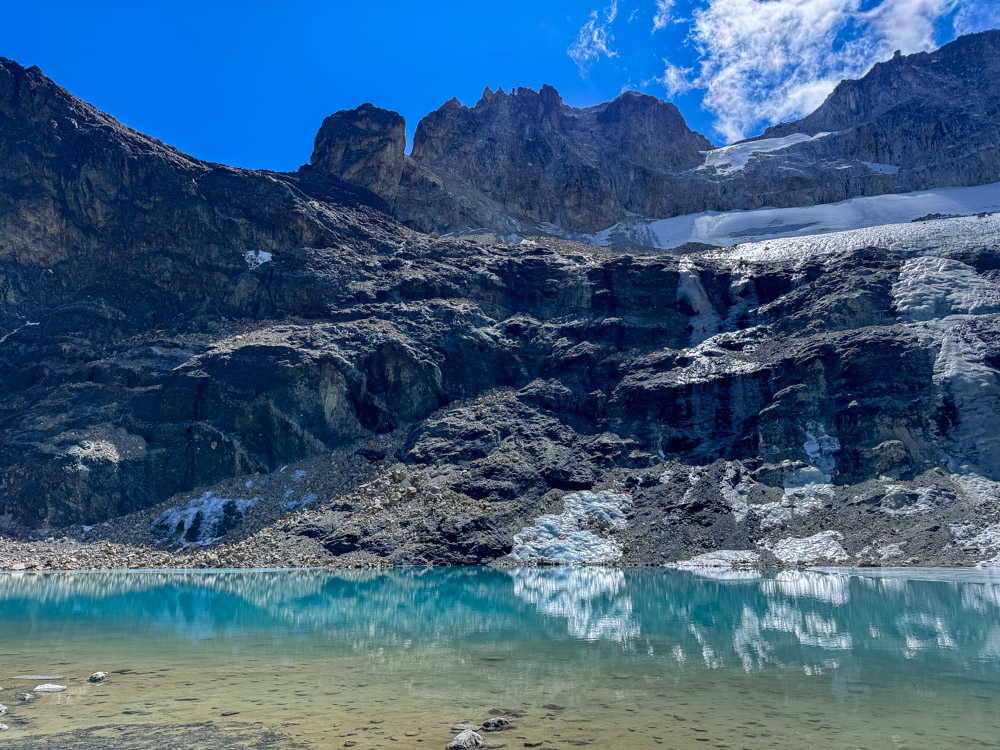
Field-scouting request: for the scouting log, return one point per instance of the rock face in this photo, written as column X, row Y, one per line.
column 541, row 161
column 526, row 163
column 363, row 147
column 185, row 333
column 523, row 159
column 923, row 112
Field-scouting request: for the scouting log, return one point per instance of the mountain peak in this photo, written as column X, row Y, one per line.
column 363, row 147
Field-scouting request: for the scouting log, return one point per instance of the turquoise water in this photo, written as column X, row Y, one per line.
column 590, row 656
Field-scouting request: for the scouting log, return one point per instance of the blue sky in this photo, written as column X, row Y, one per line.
column 248, row 83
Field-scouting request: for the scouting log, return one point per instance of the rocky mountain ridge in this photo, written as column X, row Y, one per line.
column 526, row 163
column 218, row 366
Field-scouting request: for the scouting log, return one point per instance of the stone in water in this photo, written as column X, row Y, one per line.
column 465, row 740
column 49, row 687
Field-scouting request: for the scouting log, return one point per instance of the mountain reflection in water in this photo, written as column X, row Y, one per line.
column 805, row 620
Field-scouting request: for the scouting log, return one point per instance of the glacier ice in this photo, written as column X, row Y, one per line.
column 822, row 546
column 569, row 538
column 772, row 233
column 203, row 520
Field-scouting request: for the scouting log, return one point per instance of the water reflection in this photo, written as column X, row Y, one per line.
column 808, row 621
column 594, row 601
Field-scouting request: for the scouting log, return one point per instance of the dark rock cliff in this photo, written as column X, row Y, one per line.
column 169, row 327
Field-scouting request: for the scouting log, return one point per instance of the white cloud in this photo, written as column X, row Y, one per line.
column 675, row 79
column 663, row 11
column 595, row 38
column 973, row 17
column 764, row 61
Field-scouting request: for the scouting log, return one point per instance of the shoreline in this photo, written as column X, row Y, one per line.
column 65, row 555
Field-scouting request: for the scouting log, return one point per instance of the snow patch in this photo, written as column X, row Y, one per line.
column 764, row 232
column 820, row 447
column 12, row 332
column 822, row 546
column 924, row 238
column 890, row 551
column 256, row 258
column 972, row 387
column 806, row 488
column 992, row 563
column 734, row 489
column 881, row 168
column 290, row 505
column 986, row 540
column 724, row 558
column 202, row 521
column 570, row 538
column 902, row 501
column 729, row 159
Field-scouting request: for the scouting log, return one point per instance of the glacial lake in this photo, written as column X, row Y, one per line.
column 577, row 657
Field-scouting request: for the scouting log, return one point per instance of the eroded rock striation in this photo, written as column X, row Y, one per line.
column 222, row 363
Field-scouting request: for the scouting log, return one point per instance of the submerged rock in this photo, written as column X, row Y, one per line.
column 49, row 688
column 98, row 677
column 466, row 739
column 496, row 724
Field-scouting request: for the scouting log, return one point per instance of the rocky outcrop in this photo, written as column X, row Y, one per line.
column 515, row 160
column 541, row 161
column 363, row 147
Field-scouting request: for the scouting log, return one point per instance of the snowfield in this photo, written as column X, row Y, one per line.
column 729, row 159
column 760, row 232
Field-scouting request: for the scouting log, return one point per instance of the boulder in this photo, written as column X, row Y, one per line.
column 466, row 739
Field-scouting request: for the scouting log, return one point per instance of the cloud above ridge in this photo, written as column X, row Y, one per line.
column 754, row 63
column 595, row 38
column 764, row 61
